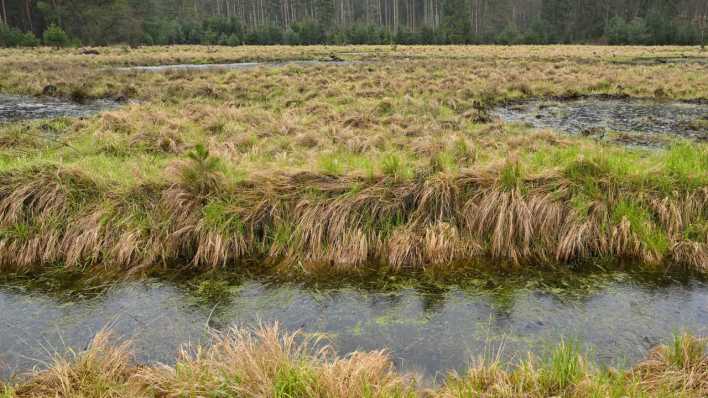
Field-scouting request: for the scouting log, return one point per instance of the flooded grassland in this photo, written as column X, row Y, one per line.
column 520, row 158
column 647, row 120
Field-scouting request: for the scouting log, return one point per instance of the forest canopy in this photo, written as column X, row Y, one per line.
column 236, row 22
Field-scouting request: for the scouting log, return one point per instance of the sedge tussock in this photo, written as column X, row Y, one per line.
column 268, row 361
column 681, row 366
column 342, row 221
column 103, row 370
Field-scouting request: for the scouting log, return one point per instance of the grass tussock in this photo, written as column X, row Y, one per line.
column 101, row 370
column 676, row 370
column 681, row 366
column 55, row 214
column 267, row 362
column 337, row 166
column 274, row 364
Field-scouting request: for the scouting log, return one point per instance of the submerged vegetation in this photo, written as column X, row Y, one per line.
column 267, row 362
column 384, row 162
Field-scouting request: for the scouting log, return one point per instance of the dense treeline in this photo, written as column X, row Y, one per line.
column 233, row 22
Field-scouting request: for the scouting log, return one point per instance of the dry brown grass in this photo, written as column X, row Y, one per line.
column 318, row 221
column 102, row 370
column 392, row 161
column 681, row 367
column 267, row 362
column 272, row 364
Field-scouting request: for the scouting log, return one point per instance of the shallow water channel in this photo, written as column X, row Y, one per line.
column 615, row 317
column 14, row 108
column 596, row 115
column 229, row 66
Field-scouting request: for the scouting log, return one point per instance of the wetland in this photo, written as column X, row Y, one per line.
column 17, row 108
column 604, row 115
column 292, row 217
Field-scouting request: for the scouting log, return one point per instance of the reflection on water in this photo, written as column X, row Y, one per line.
column 13, row 108
column 624, row 115
column 617, row 318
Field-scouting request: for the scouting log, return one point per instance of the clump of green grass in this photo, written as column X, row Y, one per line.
column 642, row 225
column 331, row 165
column 511, row 176
column 461, row 151
column 293, row 382
column 687, row 164
column 685, row 352
column 589, row 175
column 6, row 392
column 563, row 369
column 697, row 231
column 218, row 217
column 566, row 373
column 18, row 232
column 394, row 166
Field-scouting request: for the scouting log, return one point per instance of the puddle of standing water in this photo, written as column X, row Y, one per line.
column 240, row 65
column 615, row 317
column 595, row 116
column 14, row 108
column 684, row 60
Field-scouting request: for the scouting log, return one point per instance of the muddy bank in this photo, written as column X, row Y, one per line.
column 600, row 116
column 616, row 317
column 14, row 108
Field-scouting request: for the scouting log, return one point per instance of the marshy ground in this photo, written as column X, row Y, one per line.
column 394, row 158
column 16, row 108
column 638, row 121
column 397, row 160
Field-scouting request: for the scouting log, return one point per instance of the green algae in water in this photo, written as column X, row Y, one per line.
column 432, row 322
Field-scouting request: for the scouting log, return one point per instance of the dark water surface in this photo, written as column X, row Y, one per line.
column 615, row 317
column 689, row 120
column 14, row 108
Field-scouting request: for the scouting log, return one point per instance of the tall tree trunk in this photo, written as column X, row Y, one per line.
column 28, row 11
column 4, row 12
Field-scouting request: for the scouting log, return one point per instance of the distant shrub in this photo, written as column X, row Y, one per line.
column 233, row 40
column 638, row 32
column 510, row 35
column 13, row 37
column 55, row 36
column 209, row 37
column 308, row 31
column 291, row 37
column 617, row 30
